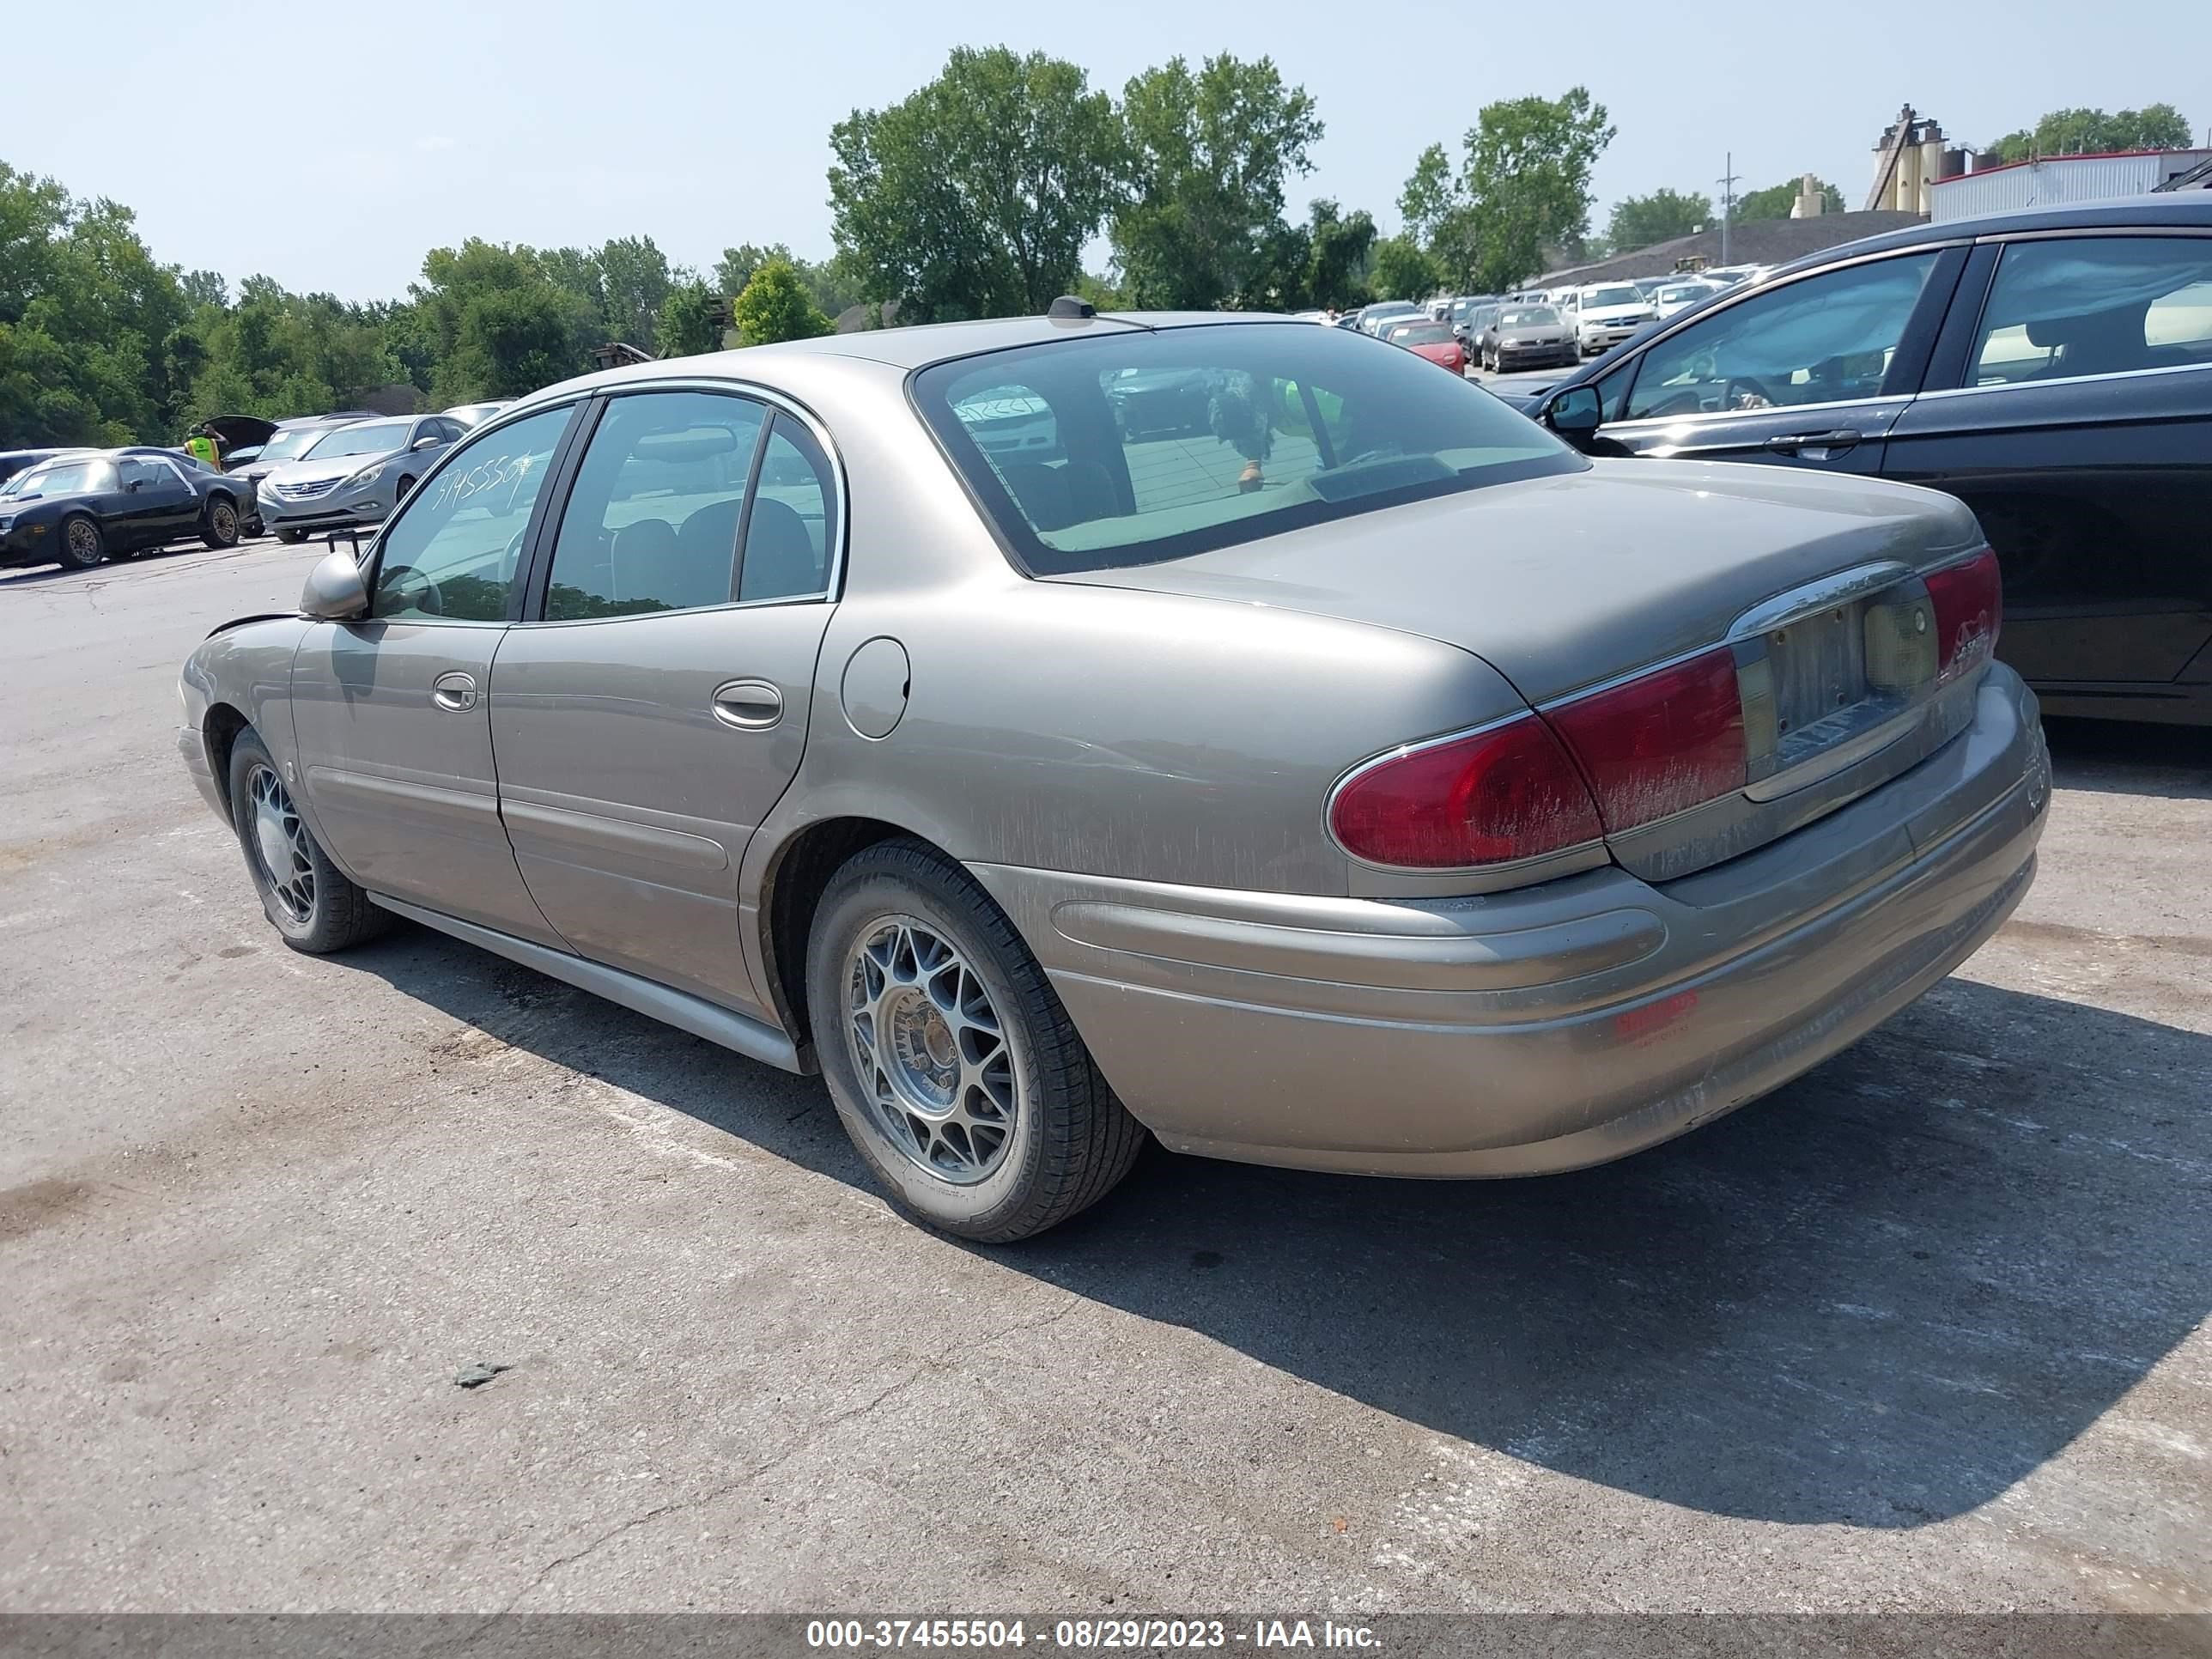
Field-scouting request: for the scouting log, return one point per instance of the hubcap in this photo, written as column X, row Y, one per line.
column 930, row 1050
column 279, row 841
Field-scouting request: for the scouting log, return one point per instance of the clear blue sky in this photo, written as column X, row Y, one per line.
column 359, row 136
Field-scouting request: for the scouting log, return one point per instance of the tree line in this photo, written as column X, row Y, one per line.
column 976, row 196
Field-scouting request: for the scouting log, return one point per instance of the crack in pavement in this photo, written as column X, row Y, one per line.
column 934, row 1362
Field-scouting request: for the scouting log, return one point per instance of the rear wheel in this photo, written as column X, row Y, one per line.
column 219, row 528
column 308, row 899
column 953, row 1065
column 83, row 544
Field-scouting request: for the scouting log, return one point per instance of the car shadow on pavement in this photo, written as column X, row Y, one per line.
column 2174, row 761
column 1880, row 1297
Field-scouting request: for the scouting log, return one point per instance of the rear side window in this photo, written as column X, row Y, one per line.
column 791, row 529
column 651, row 520
column 2096, row 305
column 1129, row 446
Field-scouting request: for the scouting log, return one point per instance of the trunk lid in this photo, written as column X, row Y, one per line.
column 1572, row 583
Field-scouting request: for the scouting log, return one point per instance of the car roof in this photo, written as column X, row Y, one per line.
column 905, row 349
column 2184, row 210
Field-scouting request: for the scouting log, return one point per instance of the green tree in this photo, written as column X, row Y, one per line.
column 686, row 329
column 736, row 267
column 1523, row 187
column 1640, row 221
column 1775, row 201
column 1404, row 269
column 775, row 305
column 1210, row 155
column 634, row 284
column 495, row 322
column 1338, row 247
column 975, row 196
column 2091, row 131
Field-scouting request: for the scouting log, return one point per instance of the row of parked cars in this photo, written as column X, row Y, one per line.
column 77, row 508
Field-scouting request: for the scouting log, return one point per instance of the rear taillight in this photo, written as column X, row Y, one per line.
column 1503, row 793
column 1969, row 601
column 1662, row 743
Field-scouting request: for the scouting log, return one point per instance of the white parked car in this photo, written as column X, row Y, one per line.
column 1606, row 313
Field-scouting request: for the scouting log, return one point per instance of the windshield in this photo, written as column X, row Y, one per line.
column 63, row 478
column 1413, row 334
column 375, row 438
column 1240, row 431
column 1530, row 317
column 1686, row 291
column 1623, row 295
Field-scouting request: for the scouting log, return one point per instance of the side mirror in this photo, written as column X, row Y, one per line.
column 335, row 591
column 131, row 486
column 428, row 441
column 1575, row 413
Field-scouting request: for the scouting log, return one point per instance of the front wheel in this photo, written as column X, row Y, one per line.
column 308, row 900
column 954, row 1067
column 220, row 528
column 84, row 545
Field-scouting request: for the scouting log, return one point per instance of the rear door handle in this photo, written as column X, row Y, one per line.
column 748, row 705
column 1790, row 443
column 456, row 692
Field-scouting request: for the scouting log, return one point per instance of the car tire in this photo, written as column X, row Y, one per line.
column 83, row 544
column 306, row 897
column 955, row 1069
column 219, row 525
column 291, row 537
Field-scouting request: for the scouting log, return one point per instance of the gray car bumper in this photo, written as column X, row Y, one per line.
column 1544, row 1029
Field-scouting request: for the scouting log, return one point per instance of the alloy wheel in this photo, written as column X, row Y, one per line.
column 931, row 1050
column 281, row 846
column 224, row 523
column 84, row 541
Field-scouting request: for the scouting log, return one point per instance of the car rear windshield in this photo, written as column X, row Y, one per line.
column 1421, row 334
column 1134, row 446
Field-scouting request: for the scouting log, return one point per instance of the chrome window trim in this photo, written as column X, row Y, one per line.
column 1704, row 417
column 2090, row 231
column 2068, row 380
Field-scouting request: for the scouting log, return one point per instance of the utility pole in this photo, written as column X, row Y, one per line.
column 1728, row 183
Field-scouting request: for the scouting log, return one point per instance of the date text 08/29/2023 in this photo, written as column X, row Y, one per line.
column 1084, row 1635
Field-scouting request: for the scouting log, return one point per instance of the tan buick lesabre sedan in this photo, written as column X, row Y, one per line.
column 1059, row 729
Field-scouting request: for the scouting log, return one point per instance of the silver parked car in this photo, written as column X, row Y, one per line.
column 352, row 475
column 1363, row 780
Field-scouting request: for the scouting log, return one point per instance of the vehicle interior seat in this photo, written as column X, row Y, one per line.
column 2096, row 343
column 708, row 539
column 647, row 562
column 782, row 559
column 1055, row 498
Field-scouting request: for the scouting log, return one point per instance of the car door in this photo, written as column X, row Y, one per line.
column 654, row 706
column 392, row 724
column 1811, row 373
column 2071, row 407
column 156, row 504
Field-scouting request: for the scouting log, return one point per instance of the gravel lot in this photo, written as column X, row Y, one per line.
column 1926, row 1329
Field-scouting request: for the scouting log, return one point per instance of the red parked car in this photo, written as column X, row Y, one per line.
column 1432, row 340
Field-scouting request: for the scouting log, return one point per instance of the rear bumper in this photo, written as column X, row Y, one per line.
column 1544, row 1030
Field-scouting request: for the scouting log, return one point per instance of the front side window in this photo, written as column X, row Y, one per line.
column 1166, row 443
column 1826, row 339
column 454, row 550
column 2096, row 305
column 652, row 523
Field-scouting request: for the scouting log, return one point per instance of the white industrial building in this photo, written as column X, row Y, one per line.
column 2056, row 179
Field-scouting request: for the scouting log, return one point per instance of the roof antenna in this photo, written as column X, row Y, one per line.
column 1069, row 309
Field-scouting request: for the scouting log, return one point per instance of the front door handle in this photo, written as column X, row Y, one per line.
column 456, row 692
column 748, row 705
column 1790, row 443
